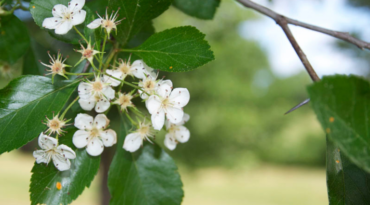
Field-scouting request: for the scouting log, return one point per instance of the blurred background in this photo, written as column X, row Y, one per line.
column 243, row 149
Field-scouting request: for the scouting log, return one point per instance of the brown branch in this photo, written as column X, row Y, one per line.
column 283, row 22
column 345, row 36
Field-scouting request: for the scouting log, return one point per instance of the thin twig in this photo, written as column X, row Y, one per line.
column 345, row 36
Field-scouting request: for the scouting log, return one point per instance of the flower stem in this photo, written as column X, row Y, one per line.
column 102, row 52
column 130, row 84
column 92, row 64
column 80, row 34
column 68, row 73
column 69, row 106
column 132, row 121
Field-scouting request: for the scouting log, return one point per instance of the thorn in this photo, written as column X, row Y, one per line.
column 298, row 106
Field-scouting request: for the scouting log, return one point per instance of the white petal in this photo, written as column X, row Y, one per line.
column 102, row 105
column 132, row 142
column 158, row 120
column 76, row 5
column 101, row 121
column 183, row 134
column 108, row 92
column 78, row 17
column 150, row 71
column 51, row 23
column 185, row 118
column 180, row 96
column 83, row 121
column 166, row 82
column 175, row 115
column 59, row 10
column 46, row 142
column 109, row 137
column 170, row 142
column 80, row 138
column 87, row 104
column 142, row 94
column 115, row 73
column 138, row 69
column 164, row 90
column 66, row 151
column 84, row 90
column 63, row 28
column 153, row 104
column 60, row 162
column 95, row 147
column 41, row 156
column 95, row 24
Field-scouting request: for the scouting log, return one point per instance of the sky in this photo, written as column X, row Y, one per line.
column 319, row 48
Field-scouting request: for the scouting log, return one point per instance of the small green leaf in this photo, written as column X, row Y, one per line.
column 347, row 184
column 204, row 9
column 14, row 39
column 44, row 178
column 175, row 50
column 342, row 105
column 137, row 14
column 24, row 104
column 147, row 177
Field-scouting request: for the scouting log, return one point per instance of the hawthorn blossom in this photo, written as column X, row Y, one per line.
column 87, row 53
column 55, row 125
column 93, row 133
column 124, row 101
column 134, row 140
column 64, row 18
column 57, row 66
column 167, row 103
column 138, row 69
column 176, row 133
column 6, row 70
column 150, row 86
column 106, row 22
column 96, row 94
column 50, row 150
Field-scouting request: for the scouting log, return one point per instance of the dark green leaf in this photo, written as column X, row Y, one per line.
column 342, row 105
column 175, row 50
column 347, row 184
column 147, row 31
column 14, row 40
column 24, row 104
column 44, row 178
column 203, row 9
column 31, row 64
column 147, row 177
column 137, row 14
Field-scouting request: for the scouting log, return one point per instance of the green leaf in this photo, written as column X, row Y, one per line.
column 14, row 39
column 41, row 9
column 24, row 104
column 347, row 183
column 204, row 9
column 31, row 64
column 175, row 50
column 147, row 31
column 44, row 178
column 147, row 177
column 342, row 105
column 137, row 14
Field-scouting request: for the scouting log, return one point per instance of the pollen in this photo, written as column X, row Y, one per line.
column 59, row 185
column 328, row 130
column 33, row 7
column 171, row 67
column 337, row 161
column 331, row 119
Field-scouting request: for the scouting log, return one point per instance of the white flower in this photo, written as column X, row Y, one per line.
column 176, row 133
column 6, row 70
column 87, row 53
column 124, row 101
column 151, row 86
column 134, row 140
column 66, row 17
column 50, row 150
column 57, row 66
column 138, row 69
column 95, row 94
column 108, row 23
column 93, row 134
column 167, row 103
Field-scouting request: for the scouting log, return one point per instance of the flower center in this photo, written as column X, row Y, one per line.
column 54, row 124
column 97, row 86
column 94, row 132
column 124, row 68
column 124, row 100
column 108, row 24
column 173, row 128
column 166, row 103
column 88, row 53
column 67, row 16
column 57, row 67
column 6, row 68
column 149, row 85
column 144, row 131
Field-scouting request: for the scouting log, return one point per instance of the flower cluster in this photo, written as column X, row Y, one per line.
column 103, row 88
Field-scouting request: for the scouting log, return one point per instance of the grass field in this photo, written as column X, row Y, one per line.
column 265, row 185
